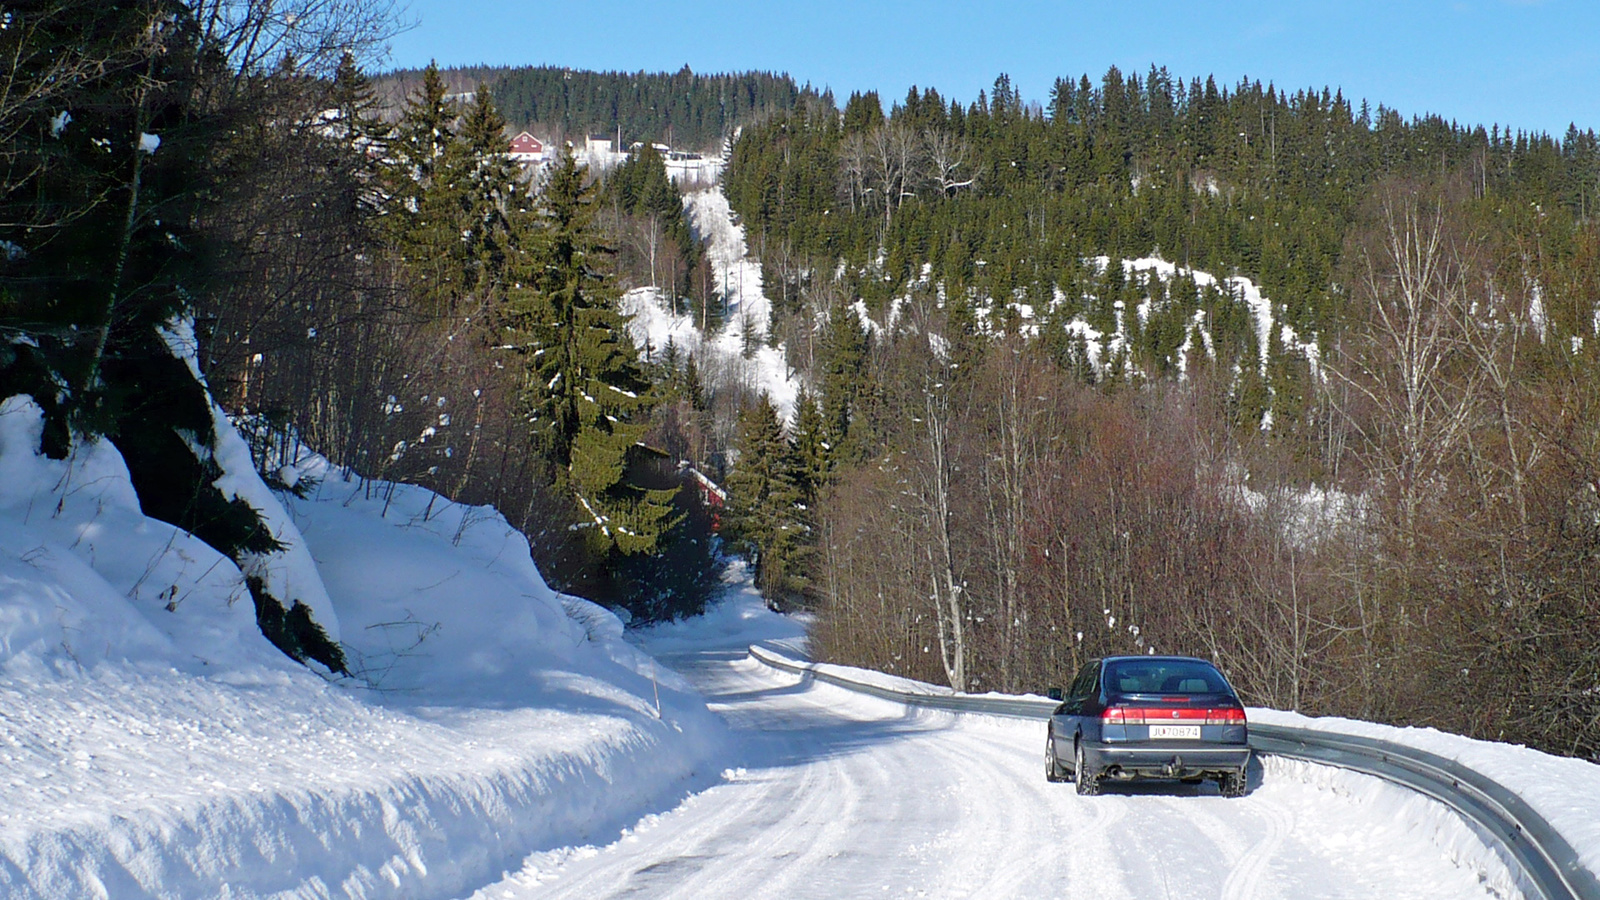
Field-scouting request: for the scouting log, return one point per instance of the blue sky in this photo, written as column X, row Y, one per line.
column 1532, row 64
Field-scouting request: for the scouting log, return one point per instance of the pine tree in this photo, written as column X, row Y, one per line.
column 476, row 171
column 425, row 130
column 360, row 119
column 586, row 392
column 844, row 367
column 813, row 456
column 766, row 505
column 428, row 199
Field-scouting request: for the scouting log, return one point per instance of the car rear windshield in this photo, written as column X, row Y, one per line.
column 1171, row 676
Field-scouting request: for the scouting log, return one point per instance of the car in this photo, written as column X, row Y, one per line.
column 1148, row 717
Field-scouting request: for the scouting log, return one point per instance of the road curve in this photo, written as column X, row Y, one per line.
column 831, row 794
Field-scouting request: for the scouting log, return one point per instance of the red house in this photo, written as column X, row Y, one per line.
column 525, row 148
column 712, row 496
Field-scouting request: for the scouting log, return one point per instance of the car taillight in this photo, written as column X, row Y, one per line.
column 1225, row 716
column 1158, row 715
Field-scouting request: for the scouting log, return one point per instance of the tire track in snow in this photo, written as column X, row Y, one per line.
column 1249, row 876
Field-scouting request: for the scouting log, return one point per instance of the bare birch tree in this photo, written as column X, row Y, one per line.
column 1406, row 355
column 947, row 156
column 934, row 493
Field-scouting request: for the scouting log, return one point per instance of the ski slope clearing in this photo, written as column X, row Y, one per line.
column 835, row 794
column 153, row 744
column 740, row 352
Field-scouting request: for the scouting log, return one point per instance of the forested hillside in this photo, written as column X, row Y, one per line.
column 684, row 109
column 1271, row 377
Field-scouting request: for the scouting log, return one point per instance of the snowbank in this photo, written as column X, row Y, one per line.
column 1565, row 791
column 155, row 745
column 86, row 578
column 288, row 574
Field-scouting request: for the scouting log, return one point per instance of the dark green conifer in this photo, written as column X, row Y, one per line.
column 425, row 215
column 586, row 392
column 766, row 500
column 813, row 455
column 844, row 366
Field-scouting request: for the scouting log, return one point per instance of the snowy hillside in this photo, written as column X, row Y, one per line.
column 156, row 745
column 740, row 351
column 1102, row 345
column 748, row 319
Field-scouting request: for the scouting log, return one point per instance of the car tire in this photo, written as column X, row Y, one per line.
column 1052, row 769
column 1088, row 782
column 1233, row 784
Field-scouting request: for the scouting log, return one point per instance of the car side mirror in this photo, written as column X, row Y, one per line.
column 1054, row 694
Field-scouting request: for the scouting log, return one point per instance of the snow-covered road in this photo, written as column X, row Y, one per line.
column 840, row 795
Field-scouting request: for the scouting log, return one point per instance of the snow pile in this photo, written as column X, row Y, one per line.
column 748, row 317
column 155, row 744
column 86, row 578
column 1565, row 791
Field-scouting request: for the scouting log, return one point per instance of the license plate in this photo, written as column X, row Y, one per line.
column 1181, row 732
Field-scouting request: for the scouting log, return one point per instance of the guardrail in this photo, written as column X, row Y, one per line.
column 1547, row 860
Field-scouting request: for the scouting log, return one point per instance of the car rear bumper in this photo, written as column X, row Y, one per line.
column 1164, row 760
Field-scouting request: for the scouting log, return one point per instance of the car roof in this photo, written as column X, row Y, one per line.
column 1159, row 659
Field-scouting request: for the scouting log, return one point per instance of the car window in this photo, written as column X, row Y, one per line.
column 1172, row 676
column 1084, row 684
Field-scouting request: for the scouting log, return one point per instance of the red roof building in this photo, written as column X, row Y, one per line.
column 526, row 148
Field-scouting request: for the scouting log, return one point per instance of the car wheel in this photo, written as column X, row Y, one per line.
column 1052, row 769
column 1233, row 784
column 1088, row 782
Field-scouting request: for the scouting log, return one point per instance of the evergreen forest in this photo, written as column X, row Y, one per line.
column 684, row 109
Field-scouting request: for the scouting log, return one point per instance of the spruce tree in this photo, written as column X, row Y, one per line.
column 813, row 455
column 766, row 501
column 426, row 212
column 360, row 119
column 477, row 172
column 844, row 368
column 587, row 395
